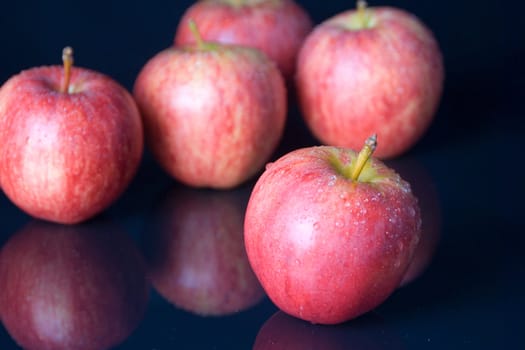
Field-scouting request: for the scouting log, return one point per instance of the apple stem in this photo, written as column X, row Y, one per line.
column 361, row 10
column 363, row 156
column 196, row 33
column 67, row 59
column 237, row 3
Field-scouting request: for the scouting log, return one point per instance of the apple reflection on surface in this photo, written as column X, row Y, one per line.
column 424, row 188
column 77, row 287
column 195, row 253
column 369, row 332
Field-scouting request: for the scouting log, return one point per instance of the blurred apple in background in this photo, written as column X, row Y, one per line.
column 424, row 188
column 213, row 113
column 79, row 287
column 276, row 27
column 195, row 252
column 370, row 70
column 369, row 332
column 71, row 140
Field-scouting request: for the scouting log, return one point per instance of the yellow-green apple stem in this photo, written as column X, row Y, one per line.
column 361, row 11
column 67, row 59
column 196, row 34
column 363, row 156
column 200, row 43
column 237, row 3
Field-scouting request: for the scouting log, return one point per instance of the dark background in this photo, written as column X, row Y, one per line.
column 471, row 296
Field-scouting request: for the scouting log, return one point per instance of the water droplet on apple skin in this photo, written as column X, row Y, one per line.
column 405, row 186
column 397, row 263
column 392, row 220
column 332, row 179
column 400, row 246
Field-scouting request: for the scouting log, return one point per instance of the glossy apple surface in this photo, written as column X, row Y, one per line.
column 276, row 27
column 326, row 247
column 71, row 287
column 67, row 156
column 195, row 252
column 374, row 70
column 213, row 113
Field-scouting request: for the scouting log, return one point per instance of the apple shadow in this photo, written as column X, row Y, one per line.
column 470, row 268
column 369, row 331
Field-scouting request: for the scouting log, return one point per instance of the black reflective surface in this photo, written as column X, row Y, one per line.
column 467, row 168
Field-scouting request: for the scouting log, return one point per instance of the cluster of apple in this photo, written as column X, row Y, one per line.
column 329, row 231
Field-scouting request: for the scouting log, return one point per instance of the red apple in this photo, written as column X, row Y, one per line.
column 276, row 27
column 195, row 252
column 70, row 141
column 75, row 287
column 282, row 331
column 213, row 113
column 329, row 233
column 374, row 70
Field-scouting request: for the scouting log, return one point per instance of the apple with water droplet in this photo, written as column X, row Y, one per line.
column 276, row 27
column 71, row 141
column 329, row 232
column 213, row 113
column 371, row 70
